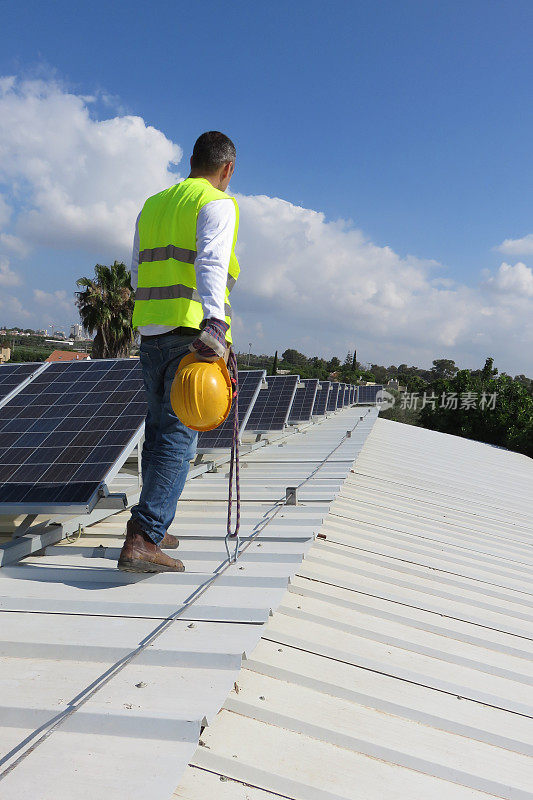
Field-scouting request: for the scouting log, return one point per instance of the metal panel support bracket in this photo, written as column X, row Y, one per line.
column 24, row 526
column 291, row 498
column 111, row 500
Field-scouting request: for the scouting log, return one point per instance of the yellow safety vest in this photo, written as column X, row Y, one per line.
column 166, row 293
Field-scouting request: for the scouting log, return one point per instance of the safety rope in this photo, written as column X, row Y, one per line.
column 234, row 466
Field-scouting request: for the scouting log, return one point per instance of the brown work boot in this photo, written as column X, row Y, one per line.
column 140, row 554
column 170, row 542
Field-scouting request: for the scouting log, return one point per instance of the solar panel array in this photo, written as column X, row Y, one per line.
column 321, row 402
column 304, row 400
column 12, row 375
column 271, row 409
column 367, row 394
column 62, row 433
column 249, row 387
column 333, row 395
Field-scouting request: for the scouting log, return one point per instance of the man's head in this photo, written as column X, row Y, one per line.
column 213, row 157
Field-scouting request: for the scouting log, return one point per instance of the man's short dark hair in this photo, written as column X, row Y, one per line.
column 211, row 151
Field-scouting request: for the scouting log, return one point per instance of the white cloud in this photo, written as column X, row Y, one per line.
column 73, row 181
column 55, row 301
column 14, row 244
column 81, row 181
column 517, row 280
column 7, row 276
column 324, row 288
column 517, row 247
column 11, row 304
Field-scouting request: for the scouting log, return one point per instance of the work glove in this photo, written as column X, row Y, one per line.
column 211, row 343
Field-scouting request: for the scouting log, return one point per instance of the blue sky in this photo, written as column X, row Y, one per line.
column 410, row 119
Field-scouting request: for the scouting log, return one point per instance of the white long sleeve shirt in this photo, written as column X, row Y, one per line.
column 215, row 229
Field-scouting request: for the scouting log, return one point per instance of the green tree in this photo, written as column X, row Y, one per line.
column 414, row 383
column 489, row 370
column 502, row 413
column 443, row 368
column 275, row 364
column 292, row 356
column 525, row 381
column 106, row 308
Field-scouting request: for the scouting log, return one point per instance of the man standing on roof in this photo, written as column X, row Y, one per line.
column 183, row 269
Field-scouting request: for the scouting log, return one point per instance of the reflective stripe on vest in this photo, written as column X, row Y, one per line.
column 172, row 293
column 164, row 253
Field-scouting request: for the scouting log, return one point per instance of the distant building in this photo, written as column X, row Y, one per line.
column 5, row 354
column 60, row 335
column 66, row 355
column 76, row 331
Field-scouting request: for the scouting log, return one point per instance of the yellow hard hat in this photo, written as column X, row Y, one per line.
column 201, row 393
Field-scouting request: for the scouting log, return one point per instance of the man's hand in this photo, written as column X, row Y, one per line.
column 211, row 344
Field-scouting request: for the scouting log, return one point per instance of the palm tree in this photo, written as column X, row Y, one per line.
column 106, row 307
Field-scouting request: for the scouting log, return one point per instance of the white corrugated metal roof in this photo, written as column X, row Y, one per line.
column 399, row 663
column 89, row 706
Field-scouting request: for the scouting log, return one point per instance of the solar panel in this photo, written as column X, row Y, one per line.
column 304, row 400
column 63, row 432
column 367, row 394
column 249, row 386
column 272, row 407
column 342, row 396
column 333, row 395
column 12, row 375
column 321, row 402
column 347, row 394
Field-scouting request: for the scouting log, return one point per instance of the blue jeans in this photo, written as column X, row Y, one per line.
column 168, row 444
